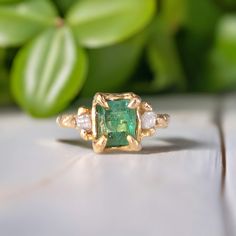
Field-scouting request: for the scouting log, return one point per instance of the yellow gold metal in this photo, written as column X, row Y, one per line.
column 145, row 107
column 67, row 121
column 87, row 136
column 148, row 132
column 162, row 120
column 134, row 145
column 99, row 144
column 101, row 100
column 134, row 103
column 83, row 110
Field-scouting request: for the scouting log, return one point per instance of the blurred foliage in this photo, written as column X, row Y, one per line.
column 111, row 67
column 222, row 58
column 53, row 52
column 48, row 71
column 4, row 80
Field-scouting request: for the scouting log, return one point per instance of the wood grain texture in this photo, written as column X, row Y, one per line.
column 50, row 184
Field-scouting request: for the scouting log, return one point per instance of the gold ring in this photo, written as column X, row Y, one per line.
column 115, row 122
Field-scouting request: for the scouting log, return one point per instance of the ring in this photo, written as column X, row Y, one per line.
column 115, row 122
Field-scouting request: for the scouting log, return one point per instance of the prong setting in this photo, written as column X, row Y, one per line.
column 83, row 110
column 87, row 136
column 100, row 144
column 148, row 132
column 102, row 101
column 134, row 103
column 162, row 120
column 134, row 145
column 145, row 107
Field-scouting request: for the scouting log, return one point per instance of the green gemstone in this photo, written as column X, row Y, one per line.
column 116, row 123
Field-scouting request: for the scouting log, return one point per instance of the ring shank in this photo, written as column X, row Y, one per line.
column 67, row 121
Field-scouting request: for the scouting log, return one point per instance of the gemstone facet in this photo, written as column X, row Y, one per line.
column 116, row 123
column 84, row 122
column 148, row 120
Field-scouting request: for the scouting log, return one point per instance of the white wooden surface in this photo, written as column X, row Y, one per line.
column 229, row 130
column 53, row 184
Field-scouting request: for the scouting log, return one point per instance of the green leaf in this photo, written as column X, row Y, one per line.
column 196, row 39
column 10, row 1
column 227, row 5
column 64, row 5
column 99, row 23
column 222, row 61
column 173, row 13
column 2, row 55
column 48, row 73
column 5, row 98
column 19, row 22
column 111, row 67
column 163, row 60
column 202, row 16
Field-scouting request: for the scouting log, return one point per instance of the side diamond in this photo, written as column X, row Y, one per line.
column 84, row 122
column 148, row 120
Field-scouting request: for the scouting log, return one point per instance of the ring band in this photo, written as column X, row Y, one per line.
column 115, row 122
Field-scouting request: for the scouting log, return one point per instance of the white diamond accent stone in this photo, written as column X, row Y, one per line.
column 84, row 122
column 148, row 120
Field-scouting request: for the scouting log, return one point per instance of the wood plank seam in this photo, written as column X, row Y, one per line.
column 229, row 221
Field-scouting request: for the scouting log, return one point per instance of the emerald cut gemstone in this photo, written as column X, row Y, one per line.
column 116, row 123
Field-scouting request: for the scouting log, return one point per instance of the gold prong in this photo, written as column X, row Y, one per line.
column 134, row 103
column 100, row 144
column 146, row 107
column 134, row 145
column 67, row 121
column 100, row 99
column 87, row 136
column 162, row 120
column 83, row 110
column 148, row 132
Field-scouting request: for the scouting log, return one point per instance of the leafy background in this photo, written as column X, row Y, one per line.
column 55, row 52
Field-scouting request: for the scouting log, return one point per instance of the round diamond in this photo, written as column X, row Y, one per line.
column 148, row 120
column 84, row 122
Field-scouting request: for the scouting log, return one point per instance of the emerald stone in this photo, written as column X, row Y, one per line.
column 116, row 123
